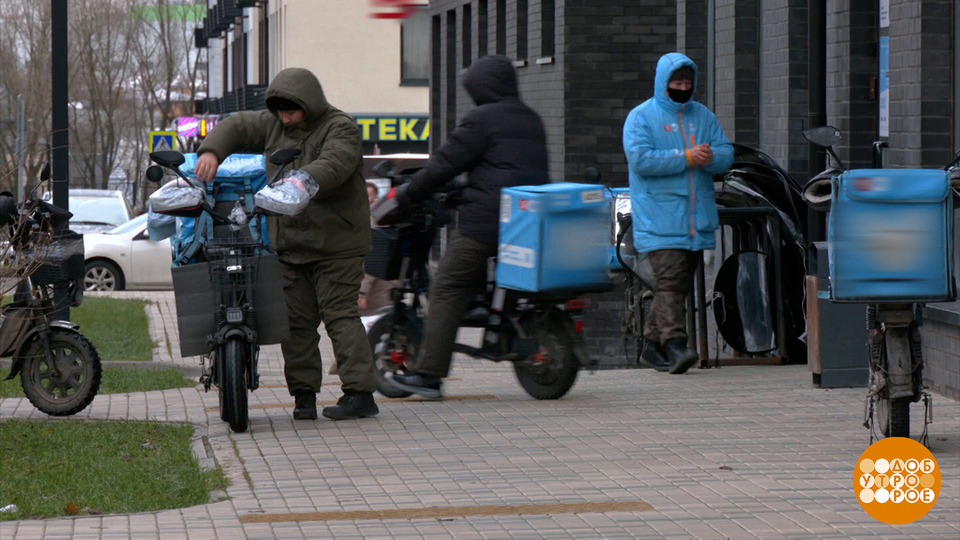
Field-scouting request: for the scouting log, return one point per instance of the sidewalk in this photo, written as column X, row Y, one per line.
column 735, row 452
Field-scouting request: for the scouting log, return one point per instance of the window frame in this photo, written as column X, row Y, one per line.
column 421, row 11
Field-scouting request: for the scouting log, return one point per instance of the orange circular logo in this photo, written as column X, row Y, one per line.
column 896, row 480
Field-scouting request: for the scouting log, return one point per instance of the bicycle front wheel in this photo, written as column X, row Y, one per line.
column 232, row 359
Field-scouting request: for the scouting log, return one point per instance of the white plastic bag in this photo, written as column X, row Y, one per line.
column 177, row 197
column 289, row 196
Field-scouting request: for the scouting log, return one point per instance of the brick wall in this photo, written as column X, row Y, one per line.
column 941, row 348
column 921, row 84
column 784, row 83
column 851, row 65
column 736, row 81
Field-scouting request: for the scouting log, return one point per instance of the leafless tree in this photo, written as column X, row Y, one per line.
column 133, row 68
column 24, row 70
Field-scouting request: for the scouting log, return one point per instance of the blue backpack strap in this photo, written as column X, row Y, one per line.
column 202, row 231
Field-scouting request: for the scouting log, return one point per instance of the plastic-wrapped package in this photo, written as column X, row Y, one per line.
column 289, row 196
column 160, row 226
column 177, row 198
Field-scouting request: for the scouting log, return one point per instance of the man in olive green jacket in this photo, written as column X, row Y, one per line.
column 321, row 250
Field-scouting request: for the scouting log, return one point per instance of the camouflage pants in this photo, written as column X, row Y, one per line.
column 674, row 270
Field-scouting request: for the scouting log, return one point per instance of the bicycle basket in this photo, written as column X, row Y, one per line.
column 59, row 261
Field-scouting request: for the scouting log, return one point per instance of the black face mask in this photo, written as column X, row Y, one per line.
column 680, row 96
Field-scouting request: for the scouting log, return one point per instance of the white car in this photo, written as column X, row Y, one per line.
column 126, row 258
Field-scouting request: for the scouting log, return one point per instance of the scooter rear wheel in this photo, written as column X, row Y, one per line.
column 552, row 370
column 394, row 349
column 64, row 383
column 892, row 416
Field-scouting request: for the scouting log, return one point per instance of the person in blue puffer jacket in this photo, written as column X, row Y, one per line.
column 673, row 146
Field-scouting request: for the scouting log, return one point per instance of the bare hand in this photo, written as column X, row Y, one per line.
column 207, row 165
column 362, row 302
column 702, row 155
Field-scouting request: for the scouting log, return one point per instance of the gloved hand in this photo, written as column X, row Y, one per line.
column 392, row 208
column 399, row 194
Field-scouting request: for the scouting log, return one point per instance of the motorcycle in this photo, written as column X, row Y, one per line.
column 232, row 262
column 60, row 370
column 895, row 349
column 536, row 332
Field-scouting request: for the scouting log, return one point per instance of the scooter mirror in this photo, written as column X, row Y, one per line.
column 167, row 158
column 825, row 136
column 154, row 174
column 45, row 171
column 592, row 175
column 386, row 169
column 284, row 155
column 817, row 194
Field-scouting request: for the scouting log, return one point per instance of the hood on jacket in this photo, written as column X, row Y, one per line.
column 667, row 64
column 491, row 79
column 301, row 87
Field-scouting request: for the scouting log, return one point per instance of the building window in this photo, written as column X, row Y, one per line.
column 501, row 26
column 263, row 41
column 548, row 30
column 521, row 29
column 482, row 29
column 466, row 34
column 415, row 49
column 451, row 116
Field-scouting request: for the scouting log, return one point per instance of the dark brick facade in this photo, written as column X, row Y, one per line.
column 779, row 66
column 851, row 68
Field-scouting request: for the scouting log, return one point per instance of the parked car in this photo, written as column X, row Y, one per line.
column 96, row 210
column 126, row 258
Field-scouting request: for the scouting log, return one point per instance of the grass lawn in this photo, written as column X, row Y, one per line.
column 58, row 468
column 117, row 327
column 116, row 380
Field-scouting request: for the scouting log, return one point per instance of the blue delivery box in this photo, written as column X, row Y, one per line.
column 891, row 236
column 553, row 236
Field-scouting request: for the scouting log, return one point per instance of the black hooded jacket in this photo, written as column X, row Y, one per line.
column 500, row 143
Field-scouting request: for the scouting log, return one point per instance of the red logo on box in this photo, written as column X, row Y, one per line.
column 523, row 204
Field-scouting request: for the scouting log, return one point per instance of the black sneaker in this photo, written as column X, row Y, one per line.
column 352, row 405
column 305, row 406
column 680, row 356
column 427, row 386
column 653, row 357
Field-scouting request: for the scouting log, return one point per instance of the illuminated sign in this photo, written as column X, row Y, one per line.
column 394, row 128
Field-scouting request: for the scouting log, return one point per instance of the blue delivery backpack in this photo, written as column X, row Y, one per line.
column 890, row 233
column 553, row 236
column 238, row 178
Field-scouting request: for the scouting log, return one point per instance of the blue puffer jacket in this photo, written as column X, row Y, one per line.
column 673, row 205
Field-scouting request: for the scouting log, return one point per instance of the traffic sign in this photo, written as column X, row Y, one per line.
column 163, row 140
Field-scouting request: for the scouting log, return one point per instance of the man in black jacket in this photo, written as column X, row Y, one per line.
column 501, row 143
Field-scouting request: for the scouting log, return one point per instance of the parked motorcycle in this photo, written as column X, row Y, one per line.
column 232, row 260
column 535, row 332
column 895, row 349
column 59, row 368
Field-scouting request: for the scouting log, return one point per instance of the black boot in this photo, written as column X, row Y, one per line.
column 352, row 405
column 654, row 357
column 305, row 406
column 680, row 356
column 427, row 386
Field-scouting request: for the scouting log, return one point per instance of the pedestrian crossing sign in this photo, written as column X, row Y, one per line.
column 163, row 140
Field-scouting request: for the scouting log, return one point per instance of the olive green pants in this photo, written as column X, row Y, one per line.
column 325, row 291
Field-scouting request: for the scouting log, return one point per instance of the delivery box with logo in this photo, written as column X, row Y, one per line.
column 553, row 236
column 891, row 236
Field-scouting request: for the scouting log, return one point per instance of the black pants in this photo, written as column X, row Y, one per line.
column 462, row 271
column 673, row 270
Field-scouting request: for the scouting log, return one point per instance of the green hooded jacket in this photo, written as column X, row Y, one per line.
column 336, row 223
